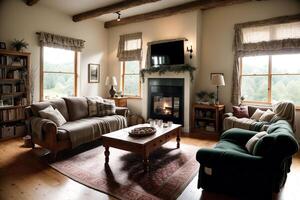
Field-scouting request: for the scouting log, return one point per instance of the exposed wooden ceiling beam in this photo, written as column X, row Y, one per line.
column 31, row 2
column 200, row 4
column 123, row 5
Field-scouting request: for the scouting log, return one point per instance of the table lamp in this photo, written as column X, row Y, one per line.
column 217, row 80
column 113, row 82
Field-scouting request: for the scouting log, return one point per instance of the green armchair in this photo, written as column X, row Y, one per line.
column 230, row 168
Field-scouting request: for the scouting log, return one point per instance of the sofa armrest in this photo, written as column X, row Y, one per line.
column 221, row 158
column 228, row 115
column 122, row 111
column 43, row 129
column 237, row 135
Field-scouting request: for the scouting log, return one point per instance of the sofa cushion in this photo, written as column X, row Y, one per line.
column 106, row 108
column 92, row 104
column 240, row 111
column 257, row 114
column 267, row 116
column 53, row 115
column 228, row 145
column 253, row 140
column 60, row 104
column 252, row 109
column 77, row 107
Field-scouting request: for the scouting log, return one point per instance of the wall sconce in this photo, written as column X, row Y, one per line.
column 190, row 50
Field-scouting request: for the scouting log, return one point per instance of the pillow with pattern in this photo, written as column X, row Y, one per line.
column 92, row 104
column 106, row 108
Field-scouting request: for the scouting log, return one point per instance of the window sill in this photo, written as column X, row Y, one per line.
column 133, row 97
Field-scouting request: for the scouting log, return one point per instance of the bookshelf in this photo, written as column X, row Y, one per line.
column 14, row 92
column 207, row 118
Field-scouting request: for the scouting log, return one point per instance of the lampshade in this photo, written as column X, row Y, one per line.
column 217, row 80
column 111, row 81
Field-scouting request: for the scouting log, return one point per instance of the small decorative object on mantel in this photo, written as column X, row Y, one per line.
column 142, row 131
column 217, row 79
column 94, row 73
column 113, row 82
column 168, row 68
column 19, row 44
column 2, row 45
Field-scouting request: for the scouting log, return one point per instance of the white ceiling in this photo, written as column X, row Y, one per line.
column 72, row 7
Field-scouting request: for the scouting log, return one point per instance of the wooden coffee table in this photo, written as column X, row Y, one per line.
column 144, row 145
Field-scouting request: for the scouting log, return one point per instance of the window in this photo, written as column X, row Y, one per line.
column 131, row 78
column 58, row 77
column 130, row 55
column 265, row 79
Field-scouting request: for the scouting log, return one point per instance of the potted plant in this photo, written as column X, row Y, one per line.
column 202, row 97
column 19, row 44
column 211, row 97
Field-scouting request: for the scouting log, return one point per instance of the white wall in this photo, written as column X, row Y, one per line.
column 177, row 26
column 20, row 21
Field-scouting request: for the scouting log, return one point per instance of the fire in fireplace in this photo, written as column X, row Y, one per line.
column 166, row 99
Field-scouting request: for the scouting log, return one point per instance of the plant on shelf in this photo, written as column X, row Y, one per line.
column 167, row 68
column 211, row 97
column 202, row 97
column 19, row 44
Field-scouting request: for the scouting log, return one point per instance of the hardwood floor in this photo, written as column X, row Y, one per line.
column 24, row 176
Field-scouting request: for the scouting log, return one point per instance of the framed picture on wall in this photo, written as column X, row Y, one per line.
column 94, row 73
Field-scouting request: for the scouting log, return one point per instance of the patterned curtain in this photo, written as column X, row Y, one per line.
column 130, row 47
column 58, row 41
column 278, row 35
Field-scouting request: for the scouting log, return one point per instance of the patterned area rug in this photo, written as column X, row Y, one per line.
column 171, row 171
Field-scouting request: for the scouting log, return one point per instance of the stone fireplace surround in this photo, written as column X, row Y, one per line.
column 187, row 94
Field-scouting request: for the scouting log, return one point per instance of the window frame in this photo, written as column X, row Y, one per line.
column 269, row 75
column 123, row 63
column 42, row 73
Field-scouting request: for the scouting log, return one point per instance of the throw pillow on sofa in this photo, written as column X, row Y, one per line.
column 257, row 114
column 106, row 108
column 92, row 104
column 240, row 111
column 53, row 115
column 267, row 116
column 252, row 141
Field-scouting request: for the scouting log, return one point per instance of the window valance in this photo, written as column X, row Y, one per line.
column 130, row 47
column 58, row 41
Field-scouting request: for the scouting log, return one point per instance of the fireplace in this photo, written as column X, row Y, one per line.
column 166, row 99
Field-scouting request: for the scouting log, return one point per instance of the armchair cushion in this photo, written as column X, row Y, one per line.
column 251, row 143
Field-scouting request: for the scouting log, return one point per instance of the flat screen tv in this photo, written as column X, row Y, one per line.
column 167, row 53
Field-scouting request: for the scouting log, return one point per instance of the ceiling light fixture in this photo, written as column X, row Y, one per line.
column 119, row 16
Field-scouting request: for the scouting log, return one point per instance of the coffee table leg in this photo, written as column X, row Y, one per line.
column 178, row 138
column 106, row 153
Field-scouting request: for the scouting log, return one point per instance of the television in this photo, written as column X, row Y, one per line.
column 167, row 53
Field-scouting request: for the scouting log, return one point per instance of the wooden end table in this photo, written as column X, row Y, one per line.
column 145, row 145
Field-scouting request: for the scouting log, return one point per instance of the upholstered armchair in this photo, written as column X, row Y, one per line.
column 230, row 168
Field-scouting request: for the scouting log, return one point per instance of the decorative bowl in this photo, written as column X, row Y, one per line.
column 142, row 131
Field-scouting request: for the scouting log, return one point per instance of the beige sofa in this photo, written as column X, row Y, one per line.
column 282, row 110
column 81, row 127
